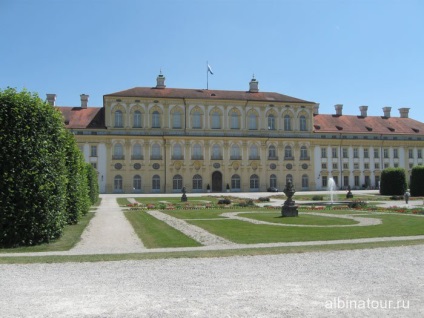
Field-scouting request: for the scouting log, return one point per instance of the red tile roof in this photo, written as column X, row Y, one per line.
column 153, row 92
column 77, row 117
column 367, row 125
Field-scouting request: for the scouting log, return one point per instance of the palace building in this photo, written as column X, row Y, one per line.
column 159, row 140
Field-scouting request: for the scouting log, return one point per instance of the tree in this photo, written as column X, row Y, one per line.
column 393, row 181
column 93, row 184
column 417, row 177
column 32, row 170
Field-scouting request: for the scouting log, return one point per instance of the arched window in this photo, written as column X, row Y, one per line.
column 137, row 123
column 156, row 183
column 273, row 181
column 177, row 182
column 271, row 122
column 197, row 152
column 118, row 152
column 272, row 152
column 288, row 152
column 197, row 182
column 117, row 183
column 254, row 182
column 216, row 120
column 302, row 123
column 235, row 121
column 304, row 153
column 197, row 122
column 235, row 182
column 156, row 155
column 216, row 152
column 287, row 123
column 253, row 121
column 177, row 120
column 137, row 183
column 137, row 152
column 155, row 119
column 119, row 122
column 235, row 153
column 289, row 177
column 177, row 153
column 305, row 181
column 254, row 154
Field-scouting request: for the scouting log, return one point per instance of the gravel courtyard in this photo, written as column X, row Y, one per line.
column 383, row 282
column 329, row 284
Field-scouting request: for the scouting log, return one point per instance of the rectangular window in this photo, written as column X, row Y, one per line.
column 395, row 153
column 323, row 152
column 345, row 181
column 94, row 165
column 345, row 153
column 377, row 165
column 385, row 153
column 345, row 166
column 324, row 181
column 366, row 165
column 366, row 153
column 376, row 153
column 93, row 151
column 334, row 166
column 356, row 166
column 386, row 165
column 334, row 152
column 410, row 154
column 323, row 166
column 355, row 153
column 419, row 153
column 356, row 181
column 396, row 165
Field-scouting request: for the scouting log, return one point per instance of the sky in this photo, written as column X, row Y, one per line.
column 330, row 52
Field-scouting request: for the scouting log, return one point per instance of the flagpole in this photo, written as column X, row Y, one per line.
column 207, row 76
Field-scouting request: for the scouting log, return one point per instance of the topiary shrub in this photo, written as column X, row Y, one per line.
column 393, row 181
column 263, row 199
column 357, row 205
column 417, row 177
column 317, row 198
column 32, row 170
column 224, row 201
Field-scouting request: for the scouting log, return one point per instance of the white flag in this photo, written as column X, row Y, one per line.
column 210, row 69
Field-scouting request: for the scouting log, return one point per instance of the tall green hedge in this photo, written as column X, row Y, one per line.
column 93, row 184
column 77, row 196
column 417, row 181
column 32, row 170
column 393, row 181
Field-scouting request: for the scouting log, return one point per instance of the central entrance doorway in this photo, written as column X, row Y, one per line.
column 217, row 181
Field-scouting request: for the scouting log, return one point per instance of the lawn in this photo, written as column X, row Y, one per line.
column 247, row 233
column 155, row 233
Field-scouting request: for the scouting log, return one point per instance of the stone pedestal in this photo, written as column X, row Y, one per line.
column 289, row 208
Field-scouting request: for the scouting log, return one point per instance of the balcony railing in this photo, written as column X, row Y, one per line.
column 289, row 158
column 177, row 157
column 254, row 157
column 118, row 157
column 273, row 158
column 235, row 157
column 197, row 157
column 156, row 157
column 305, row 158
column 137, row 157
column 215, row 157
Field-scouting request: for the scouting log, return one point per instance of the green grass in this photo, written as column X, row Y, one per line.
column 155, row 233
column 196, row 214
column 175, row 200
column 247, row 233
column 70, row 237
column 205, row 254
column 303, row 219
column 122, row 201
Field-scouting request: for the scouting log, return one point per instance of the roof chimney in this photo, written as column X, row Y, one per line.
column 339, row 108
column 386, row 111
column 316, row 108
column 84, row 100
column 51, row 99
column 160, row 81
column 404, row 112
column 363, row 110
column 253, row 85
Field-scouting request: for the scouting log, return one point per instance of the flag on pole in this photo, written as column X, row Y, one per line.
column 210, row 69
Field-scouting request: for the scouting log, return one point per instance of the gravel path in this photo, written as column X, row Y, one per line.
column 108, row 232
column 355, row 283
column 195, row 232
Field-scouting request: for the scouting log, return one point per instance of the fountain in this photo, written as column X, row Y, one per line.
column 289, row 208
column 331, row 187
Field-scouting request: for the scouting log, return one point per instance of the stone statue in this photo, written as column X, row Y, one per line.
column 289, row 207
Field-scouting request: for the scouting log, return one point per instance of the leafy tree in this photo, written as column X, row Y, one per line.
column 32, row 170
column 393, row 181
column 417, row 181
